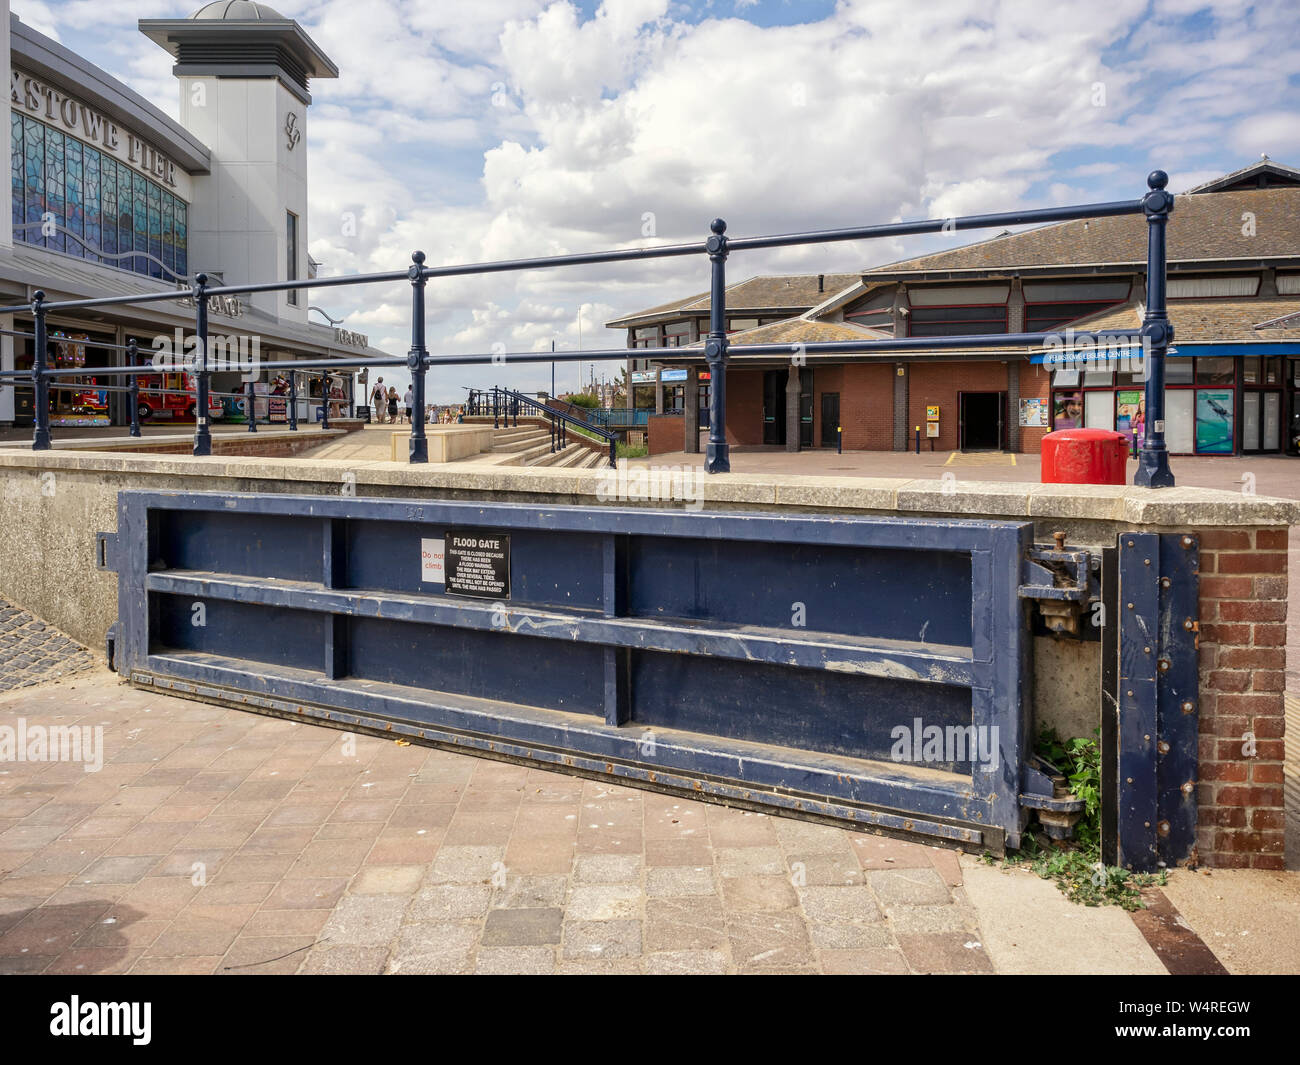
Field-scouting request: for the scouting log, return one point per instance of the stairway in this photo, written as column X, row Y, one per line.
column 529, row 444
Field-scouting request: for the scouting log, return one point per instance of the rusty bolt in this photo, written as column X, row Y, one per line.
column 1059, row 537
column 1164, row 582
column 1147, row 737
column 1163, row 828
column 1187, row 788
column 1162, row 747
column 1189, row 707
column 1130, row 543
column 1129, row 605
column 1188, row 542
column 1146, row 650
column 1163, row 665
column 1146, row 562
column 1189, row 624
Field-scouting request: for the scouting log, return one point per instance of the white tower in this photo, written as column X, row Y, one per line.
column 244, row 70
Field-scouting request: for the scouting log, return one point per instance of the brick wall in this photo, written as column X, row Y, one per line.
column 866, row 406
column 1242, row 677
column 938, row 384
column 666, row 432
column 745, row 407
column 1035, row 383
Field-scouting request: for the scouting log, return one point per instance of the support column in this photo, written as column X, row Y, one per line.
column 792, row 409
column 691, row 412
column 416, row 360
column 1013, row 407
column 659, row 390
column 901, row 380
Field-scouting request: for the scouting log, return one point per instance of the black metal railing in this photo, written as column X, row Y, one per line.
column 1155, row 334
column 504, row 406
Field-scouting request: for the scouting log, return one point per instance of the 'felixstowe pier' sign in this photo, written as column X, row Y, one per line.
column 85, row 123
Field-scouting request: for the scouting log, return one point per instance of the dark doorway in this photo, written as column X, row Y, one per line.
column 982, row 421
column 774, row 406
column 830, row 418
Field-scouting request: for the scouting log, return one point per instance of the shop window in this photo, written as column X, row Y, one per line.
column 646, row 337
column 1178, row 371
column 1099, row 410
column 1215, row 371
column 1180, row 421
column 677, row 334
column 1098, row 378
column 1067, row 410
column 1214, row 421
column 1065, row 379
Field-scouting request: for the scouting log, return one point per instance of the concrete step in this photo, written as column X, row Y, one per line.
column 522, row 441
column 571, row 456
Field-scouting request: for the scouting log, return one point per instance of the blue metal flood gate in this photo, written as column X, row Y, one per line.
column 863, row 669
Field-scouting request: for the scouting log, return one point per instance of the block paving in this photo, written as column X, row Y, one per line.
column 218, row 841
column 31, row 652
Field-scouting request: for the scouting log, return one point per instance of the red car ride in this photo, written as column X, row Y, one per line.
column 178, row 398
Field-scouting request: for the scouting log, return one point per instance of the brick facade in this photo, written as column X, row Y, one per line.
column 1243, row 590
column 665, row 433
column 938, row 384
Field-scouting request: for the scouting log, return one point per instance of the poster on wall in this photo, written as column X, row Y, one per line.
column 1033, row 413
column 1214, row 421
column 1067, row 410
column 1130, row 418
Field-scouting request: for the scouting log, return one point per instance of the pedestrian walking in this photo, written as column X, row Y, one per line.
column 392, row 405
column 408, row 401
column 378, row 401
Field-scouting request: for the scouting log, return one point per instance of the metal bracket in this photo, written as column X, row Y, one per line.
column 106, row 551
column 1062, row 583
column 1044, row 789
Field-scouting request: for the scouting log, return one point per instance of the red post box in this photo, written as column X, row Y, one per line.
column 1085, row 456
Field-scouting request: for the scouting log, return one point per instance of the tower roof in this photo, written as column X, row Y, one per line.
column 242, row 39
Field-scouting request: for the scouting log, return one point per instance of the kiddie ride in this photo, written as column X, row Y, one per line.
column 172, row 396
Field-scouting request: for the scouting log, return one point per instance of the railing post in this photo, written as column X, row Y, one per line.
column 416, row 360
column 613, row 454
column 325, row 401
column 252, row 407
column 40, row 382
column 133, row 386
column 1157, row 334
column 496, row 409
column 717, row 457
column 293, row 401
column 202, row 433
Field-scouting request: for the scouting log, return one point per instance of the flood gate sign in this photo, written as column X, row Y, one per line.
column 478, row 564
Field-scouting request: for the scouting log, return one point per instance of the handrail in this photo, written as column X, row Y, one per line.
column 507, row 402
column 1155, row 334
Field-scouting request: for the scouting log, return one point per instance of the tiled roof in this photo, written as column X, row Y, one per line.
column 779, row 292
column 1206, row 320
column 804, row 331
column 1202, row 227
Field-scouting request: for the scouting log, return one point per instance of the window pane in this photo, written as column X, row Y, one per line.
column 140, row 217
column 1250, row 421
column 1273, row 370
column 92, row 198
column 73, row 213
column 181, row 236
column 1065, row 379
column 1250, row 370
column 34, row 180
column 1094, row 378
column 1099, row 410
column 1067, row 410
column 16, row 160
column 154, row 200
column 1178, row 371
column 168, row 245
column 1216, row 371
column 1272, row 434
column 1180, row 436
column 54, row 177
column 1214, row 421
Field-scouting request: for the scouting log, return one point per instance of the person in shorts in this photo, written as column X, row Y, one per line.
column 408, row 401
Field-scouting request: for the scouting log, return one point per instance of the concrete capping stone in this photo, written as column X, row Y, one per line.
column 1177, row 508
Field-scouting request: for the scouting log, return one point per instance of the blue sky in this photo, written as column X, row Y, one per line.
column 507, row 128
